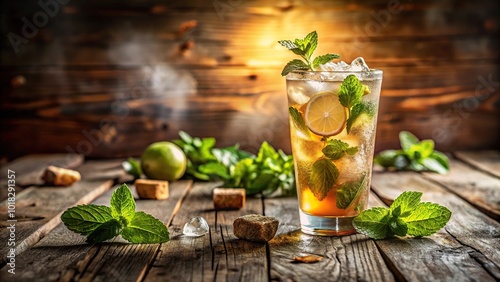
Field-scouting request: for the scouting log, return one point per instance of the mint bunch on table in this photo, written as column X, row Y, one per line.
column 204, row 161
column 305, row 48
column 100, row 223
column 268, row 171
column 414, row 155
column 406, row 216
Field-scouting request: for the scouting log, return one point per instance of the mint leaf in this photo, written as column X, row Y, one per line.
column 294, row 65
column 350, row 91
column 439, row 157
column 434, row 165
column 405, row 203
column 266, row 151
column 84, row 219
column 323, row 59
column 145, row 229
column 357, row 110
column 105, row 231
column 214, row 169
column 310, row 43
column 289, row 45
column 387, row 158
column 101, row 223
column 426, row 219
column 262, row 182
column 349, row 192
column 398, row 226
column 185, row 137
column 335, row 149
column 402, row 162
column 305, row 48
column 323, row 176
column 355, row 113
column 122, row 203
column 405, row 216
column 132, row 167
column 421, row 150
column 407, row 140
column 298, row 121
column 373, row 223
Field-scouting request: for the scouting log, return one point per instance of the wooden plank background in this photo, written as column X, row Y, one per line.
column 106, row 79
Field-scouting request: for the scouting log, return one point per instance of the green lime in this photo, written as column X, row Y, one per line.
column 163, row 161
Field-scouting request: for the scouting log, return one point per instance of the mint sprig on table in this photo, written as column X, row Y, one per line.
column 305, row 48
column 266, row 172
column 406, row 216
column 204, row 162
column 101, row 223
column 414, row 155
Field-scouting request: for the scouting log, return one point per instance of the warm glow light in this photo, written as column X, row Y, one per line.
column 264, row 63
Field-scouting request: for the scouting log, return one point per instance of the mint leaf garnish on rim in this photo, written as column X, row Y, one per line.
column 101, row 223
column 406, row 216
column 305, row 48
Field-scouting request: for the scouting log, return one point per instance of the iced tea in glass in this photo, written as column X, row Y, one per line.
column 333, row 117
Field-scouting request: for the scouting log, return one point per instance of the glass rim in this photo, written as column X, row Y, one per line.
column 372, row 71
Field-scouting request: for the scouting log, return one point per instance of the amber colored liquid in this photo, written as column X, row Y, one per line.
column 307, row 149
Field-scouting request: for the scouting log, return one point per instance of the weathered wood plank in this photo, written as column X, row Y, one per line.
column 487, row 161
column 38, row 209
column 347, row 258
column 479, row 189
column 28, row 169
column 64, row 256
column 467, row 249
column 84, row 84
column 217, row 256
column 131, row 37
column 212, row 53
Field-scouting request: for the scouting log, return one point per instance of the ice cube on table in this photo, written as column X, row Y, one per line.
column 195, row 227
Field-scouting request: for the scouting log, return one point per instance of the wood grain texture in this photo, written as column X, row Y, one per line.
column 479, row 189
column 217, row 256
column 345, row 258
column 467, row 249
column 487, row 161
column 38, row 209
column 64, row 256
column 29, row 169
column 139, row 68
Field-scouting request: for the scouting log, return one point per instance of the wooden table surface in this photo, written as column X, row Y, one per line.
column 467, row 249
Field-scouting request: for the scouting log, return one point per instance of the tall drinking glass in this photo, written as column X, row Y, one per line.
column 333, row 118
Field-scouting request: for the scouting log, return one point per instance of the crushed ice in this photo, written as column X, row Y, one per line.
column 357, row 64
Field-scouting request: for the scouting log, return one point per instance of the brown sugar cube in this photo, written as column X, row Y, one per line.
column 255, row 227
column 229, row 198
column 151, row 189
column 60, row 176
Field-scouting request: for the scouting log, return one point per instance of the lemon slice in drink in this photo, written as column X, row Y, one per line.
column 324, row 114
